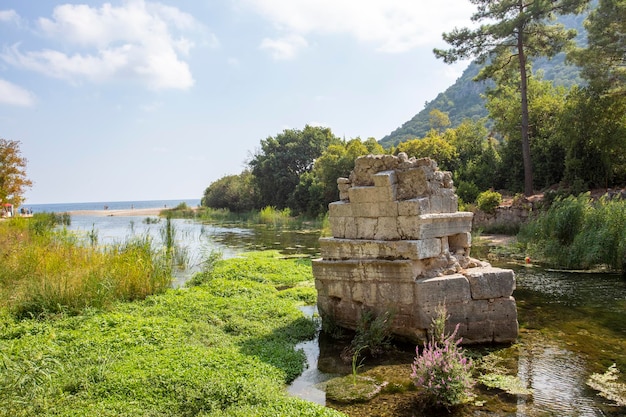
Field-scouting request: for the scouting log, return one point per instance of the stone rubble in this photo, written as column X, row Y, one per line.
column 400, row 244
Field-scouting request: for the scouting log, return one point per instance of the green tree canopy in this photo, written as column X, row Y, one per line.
column 13, row 179
column 603, row 61
column 434, row 145
column 280, row 162
column 319, row 187
column 545, row 103
column 512, row 32
column 233, row 192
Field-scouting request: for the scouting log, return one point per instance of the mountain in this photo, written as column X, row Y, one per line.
column 464, row 100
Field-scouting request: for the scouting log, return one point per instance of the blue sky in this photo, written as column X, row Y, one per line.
column 142, row 100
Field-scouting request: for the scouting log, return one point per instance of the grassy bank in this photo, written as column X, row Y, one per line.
column 224, row 347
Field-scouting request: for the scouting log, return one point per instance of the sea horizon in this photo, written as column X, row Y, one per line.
column 109, row 205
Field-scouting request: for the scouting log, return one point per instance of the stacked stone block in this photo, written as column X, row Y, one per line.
column 399, row 244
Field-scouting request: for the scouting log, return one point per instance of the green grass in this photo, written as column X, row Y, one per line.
column 44, row 271
column 222, row 348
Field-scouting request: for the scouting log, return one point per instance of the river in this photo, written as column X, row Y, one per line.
column 571, row 325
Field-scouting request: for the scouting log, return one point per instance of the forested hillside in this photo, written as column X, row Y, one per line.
column 463, row 99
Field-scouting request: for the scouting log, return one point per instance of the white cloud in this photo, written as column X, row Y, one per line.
column 138, row 41
column 286, row 47
column 391, row 25
column 15, row 95
column 9, row 16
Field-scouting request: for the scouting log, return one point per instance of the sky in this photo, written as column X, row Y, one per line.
column 147, row 100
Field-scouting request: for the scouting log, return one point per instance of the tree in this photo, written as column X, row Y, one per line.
column 545, row 105
column 514, row 32
column 318, row 188
column 603, row 61
column 280, row 162
column 593, row 133
column 234, row 192
column 13, row 180
column 434, row 145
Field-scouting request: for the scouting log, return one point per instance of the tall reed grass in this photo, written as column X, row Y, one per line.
column 579, row 233
column 47, row 271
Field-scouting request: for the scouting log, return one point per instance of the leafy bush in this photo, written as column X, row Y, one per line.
column 467, row 191
column 441, row 371
column 488, row 201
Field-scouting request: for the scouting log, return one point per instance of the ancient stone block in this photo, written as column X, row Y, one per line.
column 385, row 179
column 450, row 289
column 372, row 194
column 366, row 227
column 386, row 209
column 400, row 245
column 460, row 240
column 340, row 209
column 412, row 183
column 338, row 227
column 387, row 229
column 434, row 225
column 490, row 283
column 335, row 249
column 414, row 207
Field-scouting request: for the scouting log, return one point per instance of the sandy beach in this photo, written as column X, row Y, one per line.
column 144, row 212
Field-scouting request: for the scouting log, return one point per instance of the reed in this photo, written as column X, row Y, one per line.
column 48, row 271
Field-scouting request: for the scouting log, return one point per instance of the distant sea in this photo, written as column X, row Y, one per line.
column 111, row 205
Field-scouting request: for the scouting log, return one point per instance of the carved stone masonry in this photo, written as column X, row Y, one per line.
column 400, row 245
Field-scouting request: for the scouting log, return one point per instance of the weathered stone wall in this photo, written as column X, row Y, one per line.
column 399, row 244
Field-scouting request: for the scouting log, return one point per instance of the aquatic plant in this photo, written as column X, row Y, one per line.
column 223, row 349
column 373, row 334
column 441, row 370
column 608, row 386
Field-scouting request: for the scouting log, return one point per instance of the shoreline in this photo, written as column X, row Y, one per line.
column 120, row 212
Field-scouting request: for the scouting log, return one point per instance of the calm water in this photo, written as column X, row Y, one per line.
column 572, row 325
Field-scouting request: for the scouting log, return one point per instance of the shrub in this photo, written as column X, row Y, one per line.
column 442, row 371
column 51, row 272
column 467, row 191
column 488, row 201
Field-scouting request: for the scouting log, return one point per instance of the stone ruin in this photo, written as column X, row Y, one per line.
column 401, row 246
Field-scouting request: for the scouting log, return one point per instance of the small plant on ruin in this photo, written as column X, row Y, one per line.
column 373, row 334
column 442, row 371
column 356, row 363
